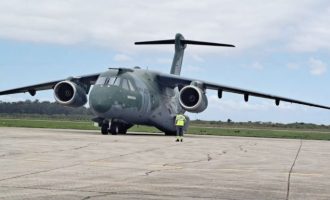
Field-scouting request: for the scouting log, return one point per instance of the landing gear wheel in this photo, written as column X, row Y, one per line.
column 114, row 129
column 105, row 129
column 117, row 128
column 122, row 130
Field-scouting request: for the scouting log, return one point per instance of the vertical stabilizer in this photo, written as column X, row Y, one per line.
column 178, row 55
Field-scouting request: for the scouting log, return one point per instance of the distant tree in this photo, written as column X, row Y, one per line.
column 229, row 120
column 42, row 108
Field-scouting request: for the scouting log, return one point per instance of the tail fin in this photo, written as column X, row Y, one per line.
column 180, row 45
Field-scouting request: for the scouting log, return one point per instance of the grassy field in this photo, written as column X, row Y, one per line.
column 220, row 131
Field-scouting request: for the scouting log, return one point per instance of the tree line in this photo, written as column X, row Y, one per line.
column 41, row 108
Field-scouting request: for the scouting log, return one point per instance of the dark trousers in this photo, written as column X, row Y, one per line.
column 179, row 131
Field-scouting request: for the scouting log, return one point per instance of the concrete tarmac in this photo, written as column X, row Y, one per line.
column 72, row 164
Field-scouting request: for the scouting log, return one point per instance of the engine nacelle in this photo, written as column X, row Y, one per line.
column 70, row 94
column 193, row 99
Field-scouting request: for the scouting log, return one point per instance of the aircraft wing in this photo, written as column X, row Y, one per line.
column 88, row 80
column 173, row 81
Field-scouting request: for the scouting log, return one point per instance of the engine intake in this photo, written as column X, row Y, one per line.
column 193, row 99
column 70, row 94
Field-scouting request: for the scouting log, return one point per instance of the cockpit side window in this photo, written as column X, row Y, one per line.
column 100, row 81
column 112, row 80
column 131, row 86
column 124, row 84
column 106, row 81
column 116, row 81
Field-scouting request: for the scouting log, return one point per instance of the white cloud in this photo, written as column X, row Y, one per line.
column 314, row 34
column 121, row 58
column 317, row 67
column 117, row 24
column 256, row 66
column 293, row 66
column 198, row 58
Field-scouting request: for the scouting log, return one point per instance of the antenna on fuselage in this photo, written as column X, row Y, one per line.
column 180, row 45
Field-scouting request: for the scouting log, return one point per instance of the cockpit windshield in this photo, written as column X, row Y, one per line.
column 124, row 83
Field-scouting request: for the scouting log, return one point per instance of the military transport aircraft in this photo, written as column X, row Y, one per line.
column 122, row 97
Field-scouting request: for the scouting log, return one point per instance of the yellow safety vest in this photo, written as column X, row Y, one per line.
column 180, row 120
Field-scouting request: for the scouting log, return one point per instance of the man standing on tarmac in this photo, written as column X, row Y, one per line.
column 180, row 121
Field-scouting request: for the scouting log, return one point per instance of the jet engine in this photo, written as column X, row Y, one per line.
column 193, row 99
column 70, row 94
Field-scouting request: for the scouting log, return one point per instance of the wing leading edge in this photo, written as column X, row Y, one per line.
column 173, row 81
column 88, row 80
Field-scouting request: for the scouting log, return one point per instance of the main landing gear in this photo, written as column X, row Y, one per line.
column 105, row 128
column 114, row 128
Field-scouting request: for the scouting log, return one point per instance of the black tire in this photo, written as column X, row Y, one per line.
column 105, row 129
column 122, row 130
column 114, row 129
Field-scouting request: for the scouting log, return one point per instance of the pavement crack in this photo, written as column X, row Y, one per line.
column 9, row 154
column 61, row 150
column 103, row 194
column 185, row 162
column 209, row 158
column 133, row 153
column 290, row 172
column 81, row 147
column 150, row 172
column 99, row 195
column 137, row 152
column 42, row 152
column 38, row 172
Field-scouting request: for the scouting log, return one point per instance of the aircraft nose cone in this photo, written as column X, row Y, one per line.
column 99, row 102
column 99, row 107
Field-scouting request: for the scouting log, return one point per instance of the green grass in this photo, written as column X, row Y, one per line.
column 271, row 133
column 243, row 132
column 53, row 124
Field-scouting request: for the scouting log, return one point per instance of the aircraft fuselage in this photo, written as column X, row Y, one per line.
column 135, row 97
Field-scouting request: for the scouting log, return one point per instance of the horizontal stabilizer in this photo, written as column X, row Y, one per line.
column 206, row 43
column 183, row 41
column 156, row 42
column 180, row 43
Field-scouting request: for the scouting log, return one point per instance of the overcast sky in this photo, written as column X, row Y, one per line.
column 282, row 48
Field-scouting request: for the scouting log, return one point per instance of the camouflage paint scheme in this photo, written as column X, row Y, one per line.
column 149, row 103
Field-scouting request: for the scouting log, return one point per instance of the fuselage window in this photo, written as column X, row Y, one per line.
column 116, row 81
column 106, row 81
column 131, row 86
column 100, row 81
column 124, row 84
column 112, row 80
